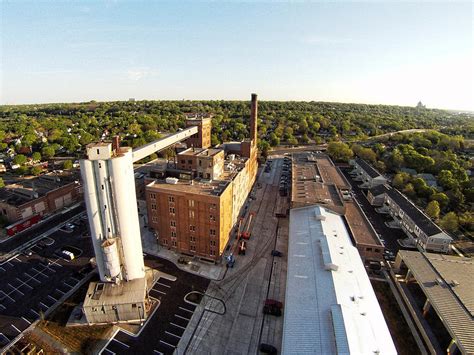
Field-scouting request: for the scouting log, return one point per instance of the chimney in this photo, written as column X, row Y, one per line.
column 116, row 144
column 253, row 120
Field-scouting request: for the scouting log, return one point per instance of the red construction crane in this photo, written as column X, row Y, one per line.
column 246, row 233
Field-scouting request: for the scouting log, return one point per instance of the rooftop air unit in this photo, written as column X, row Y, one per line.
column 171, row 180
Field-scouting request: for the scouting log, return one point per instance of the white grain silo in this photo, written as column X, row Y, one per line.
column 109, row 193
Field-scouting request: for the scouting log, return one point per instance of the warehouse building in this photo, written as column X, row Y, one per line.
column 330, row 306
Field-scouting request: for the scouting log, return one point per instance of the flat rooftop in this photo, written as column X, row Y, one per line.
column 362, row 231
column 307, row 185
column 446, row 281
column 330, row 306
column 102, row 294
column 29, row 189
column 200, row 152
column 329, row 172
column 196, row 186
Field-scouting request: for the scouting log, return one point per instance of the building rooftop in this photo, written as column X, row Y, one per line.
column 29, row 189
column 308, row 187
column 422, row 221
column 201, row 152
column 328, row 171
column 447, row 282
column 330, row 305
column 361, row 229
column 369, row 169
column 378, row 190
column 105, row 294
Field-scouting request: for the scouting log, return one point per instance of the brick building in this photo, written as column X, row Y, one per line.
column 193, row 206
column 40, row 195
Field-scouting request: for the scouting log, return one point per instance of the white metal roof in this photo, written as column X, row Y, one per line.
column 330, row 306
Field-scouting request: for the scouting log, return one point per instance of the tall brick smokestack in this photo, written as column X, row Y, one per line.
column 253, row 119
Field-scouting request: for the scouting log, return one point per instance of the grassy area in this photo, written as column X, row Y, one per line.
column 401, row 334
column 80, row 340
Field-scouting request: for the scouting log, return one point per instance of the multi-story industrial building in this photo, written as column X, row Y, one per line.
column 193, row 207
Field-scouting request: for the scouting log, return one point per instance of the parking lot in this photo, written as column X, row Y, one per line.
column 32, row 282
column 389, row 235
column 164, row 328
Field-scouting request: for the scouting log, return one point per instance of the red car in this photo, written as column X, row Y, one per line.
column 272, row 302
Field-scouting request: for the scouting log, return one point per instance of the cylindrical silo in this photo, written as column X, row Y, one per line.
column 105, row 198
column 123, row 185
column 111, row 259
column 93, row 213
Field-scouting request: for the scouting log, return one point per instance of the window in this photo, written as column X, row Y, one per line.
column 153, row 206
column 192, row 228
column 200, row 162
column 165, row 241
column 190, row 161
column 213, row 243
column 191, row 214
column 173, row 234
column 192, row 238
column 153, row 196
column 191, row 203
column 192, row 247
column 377, row 250
column 173, row 223
column 213, row 252
column 213, row 206
column 368, row 249
column 183, row 161
column 212, row 218
column 173, row 243
column 134, row 305
column 212, row 232
column 171, row 198
column 154, row 219
column 172, row 210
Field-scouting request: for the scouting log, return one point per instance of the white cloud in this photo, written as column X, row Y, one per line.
column 136, row 74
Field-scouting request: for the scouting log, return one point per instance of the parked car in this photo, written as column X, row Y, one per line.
column 183, row 260
column 272, row 302
column 272, row 310
column 277, row 253
column 267, row 349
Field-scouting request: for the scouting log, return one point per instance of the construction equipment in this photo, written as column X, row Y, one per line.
column 242, row 247
column 238, row 229
column 246, row 233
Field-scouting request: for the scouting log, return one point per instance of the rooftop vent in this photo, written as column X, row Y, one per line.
column 171, row 180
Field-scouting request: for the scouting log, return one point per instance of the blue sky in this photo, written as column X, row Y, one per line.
column 372, row 52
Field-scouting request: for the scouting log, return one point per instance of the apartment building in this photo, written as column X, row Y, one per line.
column 415, row 223
column 366, row 173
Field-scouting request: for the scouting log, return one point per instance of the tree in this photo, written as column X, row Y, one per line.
column 2, row 183
column 19, row 159
column 264, row 147
column 48, row 151
column 36, row 170
column 36, row 156
column 67, row 164
column 339, row 151
column 441, row 198
column 400, row 179
column 409, row 190
column 446, row 179
column 433, row 209
column 450, row 222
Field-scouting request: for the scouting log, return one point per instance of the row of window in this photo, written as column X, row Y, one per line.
column 192, row 247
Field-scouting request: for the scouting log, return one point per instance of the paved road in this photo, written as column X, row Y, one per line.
column 376, row 219
column 30, row 285
column 166, row 326
column 24, row 237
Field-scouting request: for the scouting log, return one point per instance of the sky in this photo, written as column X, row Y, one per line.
column 363, row 52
